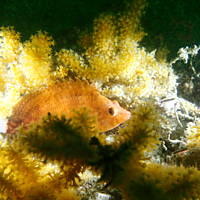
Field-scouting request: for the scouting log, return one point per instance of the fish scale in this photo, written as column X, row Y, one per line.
column 61, row 98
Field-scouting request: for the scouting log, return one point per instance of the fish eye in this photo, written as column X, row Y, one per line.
column 111, row 111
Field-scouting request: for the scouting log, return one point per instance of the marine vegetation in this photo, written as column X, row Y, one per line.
column 61, row 156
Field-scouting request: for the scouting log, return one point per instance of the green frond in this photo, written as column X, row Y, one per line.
column 55, row 139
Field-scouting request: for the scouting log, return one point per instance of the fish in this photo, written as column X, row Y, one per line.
column 62, row 97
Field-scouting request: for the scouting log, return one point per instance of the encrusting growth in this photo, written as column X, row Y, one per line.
column 61, row 98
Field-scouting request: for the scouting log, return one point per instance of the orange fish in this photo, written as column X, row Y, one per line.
column 62, row 98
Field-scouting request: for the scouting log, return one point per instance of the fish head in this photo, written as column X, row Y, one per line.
column 110, row 114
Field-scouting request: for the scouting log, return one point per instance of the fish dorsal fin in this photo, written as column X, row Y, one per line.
column 53, row 93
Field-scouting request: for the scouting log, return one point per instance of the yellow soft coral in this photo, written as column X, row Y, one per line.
column 9, row 45
column 23, row 67
column 36, row 59
column 112, row 57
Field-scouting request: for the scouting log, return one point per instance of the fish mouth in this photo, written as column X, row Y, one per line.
column 128, row 116
column 125, row 116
